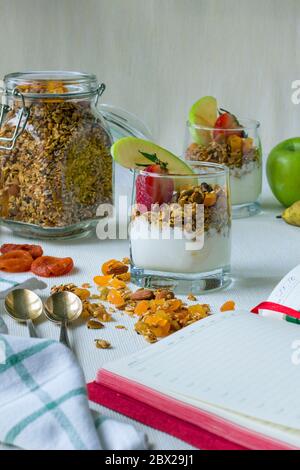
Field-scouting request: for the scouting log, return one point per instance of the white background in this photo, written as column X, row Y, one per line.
column 158, row 56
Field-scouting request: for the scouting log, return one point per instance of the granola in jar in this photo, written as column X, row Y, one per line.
column 59, row 169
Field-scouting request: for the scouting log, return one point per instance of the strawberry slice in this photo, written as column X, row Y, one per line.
column 153, row 190
column 225, row 126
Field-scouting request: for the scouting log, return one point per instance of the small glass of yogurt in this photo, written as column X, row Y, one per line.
column 180, row 229
column 240, row 150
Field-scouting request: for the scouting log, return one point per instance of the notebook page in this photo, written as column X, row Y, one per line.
column 287, row 292
column 235, row 361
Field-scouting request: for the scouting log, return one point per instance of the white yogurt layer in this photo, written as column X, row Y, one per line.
column 246, row 183
column 161, row 250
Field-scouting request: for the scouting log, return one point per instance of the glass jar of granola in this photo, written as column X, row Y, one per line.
column 239, row 149
column 55, row 163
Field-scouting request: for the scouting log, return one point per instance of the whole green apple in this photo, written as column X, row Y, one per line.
column 283, row 171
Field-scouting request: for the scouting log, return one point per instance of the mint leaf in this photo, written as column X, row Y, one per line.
column 154, row 159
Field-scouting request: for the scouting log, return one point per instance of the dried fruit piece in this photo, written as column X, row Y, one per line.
column 114, row 297
column 124, row 277
column 102, row 280
column 16, row 261
column 94, row 325
column 199, row 309
column 141, row 307
column 83, row 294
column 48, row 266
column 227, row 306
column 174, row 304
column 102, row 344
column 117, row 284
column 159, row 323
column 35, row 250
column 210, row 199
column 86, row 285
column 114, row 267
column 142, row 294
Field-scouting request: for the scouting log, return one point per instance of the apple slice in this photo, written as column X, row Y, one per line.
column 128, row 152
column 203, row 113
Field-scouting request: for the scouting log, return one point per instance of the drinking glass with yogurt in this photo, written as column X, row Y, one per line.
column 239, row 149
column 180, row 237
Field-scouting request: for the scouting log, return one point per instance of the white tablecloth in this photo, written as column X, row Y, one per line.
column 264, row 249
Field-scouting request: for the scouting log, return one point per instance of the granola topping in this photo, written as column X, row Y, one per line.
column 195, row 210
column 236, row 153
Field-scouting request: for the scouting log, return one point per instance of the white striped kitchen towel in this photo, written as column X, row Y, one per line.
column 43, row 401
column 9, row 282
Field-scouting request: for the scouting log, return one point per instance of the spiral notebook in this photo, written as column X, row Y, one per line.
column 235, row 376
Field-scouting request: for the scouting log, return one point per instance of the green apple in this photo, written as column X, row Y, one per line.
column 283, row 171
column 203, row 113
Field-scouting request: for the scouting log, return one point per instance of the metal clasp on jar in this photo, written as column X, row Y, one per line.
column 21, row 120
column 99, row 92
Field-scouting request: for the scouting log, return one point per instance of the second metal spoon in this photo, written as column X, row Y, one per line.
column 63, row 307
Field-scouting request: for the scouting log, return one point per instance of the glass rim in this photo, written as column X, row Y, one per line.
column 218, row 167
column 251, row 124
column 85, row 84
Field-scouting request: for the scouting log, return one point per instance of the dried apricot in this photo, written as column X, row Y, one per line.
column 141, row 307
column 114, row 297
column 210, row 199
column 117, row 284
column 49, row 266
column 159, row 323
column 156, row 303
column 174, row 304
column 83, row 294
column 35, row 250
column 114, row 267
column 102, row 280
column 17, row 261
column 227, row 306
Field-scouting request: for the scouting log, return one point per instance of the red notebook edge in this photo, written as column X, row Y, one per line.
column 174, row 417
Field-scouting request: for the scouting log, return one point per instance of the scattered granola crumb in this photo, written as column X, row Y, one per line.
column 120, row 327
column 159, row 312
column 95, row 297
column 102, row 344
column 94, row 325
column 86, row 285
column 126, row 260
column 192, row 297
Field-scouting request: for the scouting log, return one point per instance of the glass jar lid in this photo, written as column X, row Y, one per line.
column 123, row 124
column 44, row 84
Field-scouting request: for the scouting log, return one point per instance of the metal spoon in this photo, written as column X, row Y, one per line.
column 24, row 305
column 63, row 307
